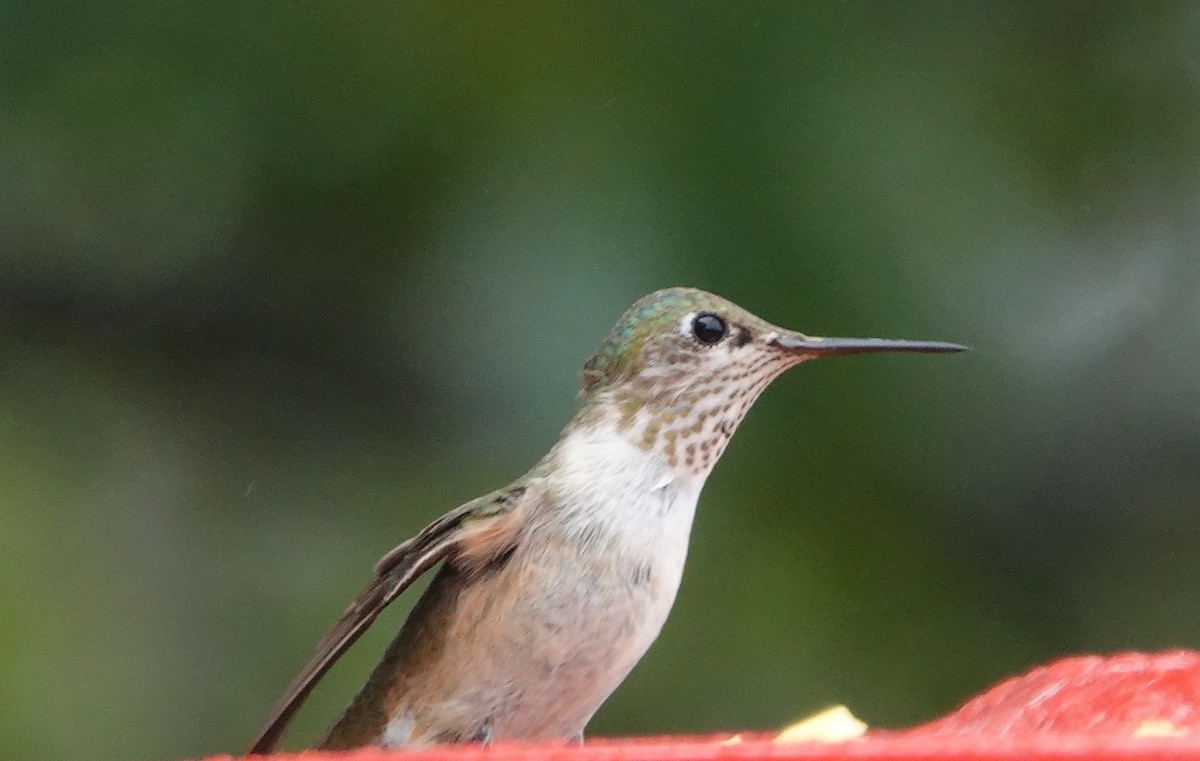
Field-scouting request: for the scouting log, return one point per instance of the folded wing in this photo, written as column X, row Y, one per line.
column 473, row 534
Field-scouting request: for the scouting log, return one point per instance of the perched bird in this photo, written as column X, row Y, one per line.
column 552, row 588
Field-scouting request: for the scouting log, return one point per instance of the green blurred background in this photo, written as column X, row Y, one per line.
column 280, row 282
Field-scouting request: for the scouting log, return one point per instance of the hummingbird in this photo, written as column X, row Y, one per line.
column 552, row 588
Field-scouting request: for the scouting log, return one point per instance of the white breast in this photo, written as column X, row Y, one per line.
column 628, row 496
column 598, row 580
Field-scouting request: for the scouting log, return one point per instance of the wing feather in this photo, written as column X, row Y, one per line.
column 492, row 520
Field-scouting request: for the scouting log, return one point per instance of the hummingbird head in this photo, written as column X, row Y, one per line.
column 682, row 367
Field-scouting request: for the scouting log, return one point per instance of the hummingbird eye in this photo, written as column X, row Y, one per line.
column 708, row 328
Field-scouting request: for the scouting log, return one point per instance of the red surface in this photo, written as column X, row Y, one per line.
column 1088, row 707
column 1089, row 694
column 1051, row 748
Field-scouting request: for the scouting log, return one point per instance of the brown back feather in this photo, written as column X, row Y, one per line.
column 489, row 522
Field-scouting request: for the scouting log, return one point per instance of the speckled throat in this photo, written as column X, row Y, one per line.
column 691, row 429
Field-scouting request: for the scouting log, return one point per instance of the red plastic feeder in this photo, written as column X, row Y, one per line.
column 1127, row 707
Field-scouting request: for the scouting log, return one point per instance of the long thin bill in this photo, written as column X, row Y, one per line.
column 824, row 347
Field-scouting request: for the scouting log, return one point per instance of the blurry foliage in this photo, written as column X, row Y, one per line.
column 281, row 282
